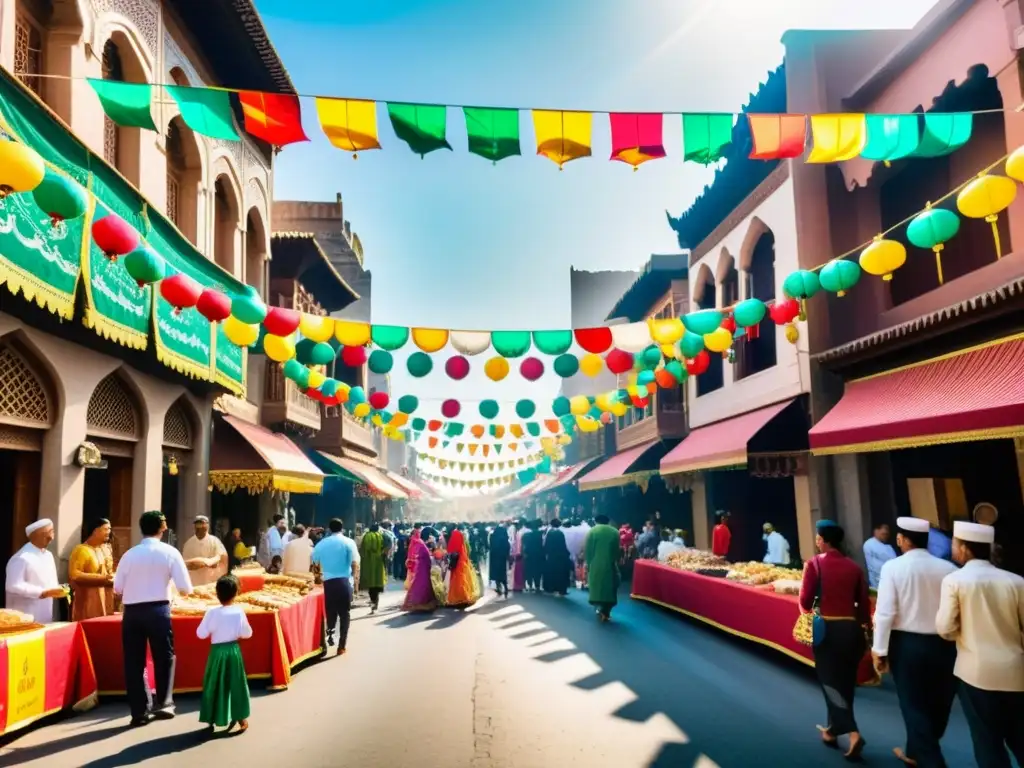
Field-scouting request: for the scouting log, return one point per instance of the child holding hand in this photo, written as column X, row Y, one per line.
column 225, row 687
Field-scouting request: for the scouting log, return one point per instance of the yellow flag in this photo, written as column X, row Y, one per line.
column 516, row 429
column 429, row 339
column 472, row 449
column 837, row 137
column 352, row 334
column 349, row 124
column 562, row 136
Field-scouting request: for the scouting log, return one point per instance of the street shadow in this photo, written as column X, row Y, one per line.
column 159, row 747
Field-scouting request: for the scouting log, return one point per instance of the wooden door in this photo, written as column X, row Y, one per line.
column 27, row 479
column 120, row 474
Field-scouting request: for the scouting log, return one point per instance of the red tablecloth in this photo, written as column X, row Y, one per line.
column 280, row 641
column 753, row 614
column 42, row 672
column 251, row 582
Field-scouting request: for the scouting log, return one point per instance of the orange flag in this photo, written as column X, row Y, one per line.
column 274, row 117
column 472, row 449
column 432, row 442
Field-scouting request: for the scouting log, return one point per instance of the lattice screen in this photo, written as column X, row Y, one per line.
column 177, row 433
column 22, row 396
column 28, row 53
column 112, row 410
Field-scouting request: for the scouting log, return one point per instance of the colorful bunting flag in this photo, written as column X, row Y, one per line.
column 516, row 430
column 890, row 137
column 421, row 126
column 562, row 136
column 127, row 104
column 349, row 124
column 432, row 442
column 493, row 133
column 944, row 133
column 777, row 137
column 206, row 111
column 486, row 450
column 637, row 138
column 274, row 117
column 472, row 449
column 837, row 137
column 706, row 137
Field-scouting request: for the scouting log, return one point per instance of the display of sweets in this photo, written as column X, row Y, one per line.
column 13, row 620
column 695, row 560
column 759, row 574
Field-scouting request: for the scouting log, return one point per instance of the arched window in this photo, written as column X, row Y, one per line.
column 704, row 297
column 759, row 353
column 184, row 176
column 122, row 146
column 255, row 250
column 225, row 225
column 29, row 55
column 112, row 70
column 112, row 411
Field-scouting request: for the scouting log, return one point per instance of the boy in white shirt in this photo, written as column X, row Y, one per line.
column 225, row 686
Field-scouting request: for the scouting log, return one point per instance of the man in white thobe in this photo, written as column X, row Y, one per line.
column 298, row 553
column 778, row 547
column 205, row 555
column 32, row 582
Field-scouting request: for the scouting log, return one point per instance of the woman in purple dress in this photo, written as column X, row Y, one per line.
column 419, row 597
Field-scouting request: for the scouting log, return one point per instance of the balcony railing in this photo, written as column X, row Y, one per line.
column 340, row 430
column 284, row 401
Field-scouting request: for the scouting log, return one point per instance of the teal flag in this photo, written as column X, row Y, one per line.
column 127, row 104
column 421, row 126
column 944, row 133
column 206, row 111
column 891, row 137
column 706, row 137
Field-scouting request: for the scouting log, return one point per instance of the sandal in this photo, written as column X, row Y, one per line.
column 855, row 750
column 827, row 738
column 901, row 755
column 243, row 726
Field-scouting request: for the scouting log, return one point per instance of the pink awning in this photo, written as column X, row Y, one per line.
column 568, row 474
column 371, row 476
column 723, row 444
column 615, row 471
column 254, row 458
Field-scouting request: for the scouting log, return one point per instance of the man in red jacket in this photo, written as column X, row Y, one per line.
column 721, row 536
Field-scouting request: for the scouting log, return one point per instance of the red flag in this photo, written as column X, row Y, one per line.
column 637, row 138
column 776, row 137
column 274, row 117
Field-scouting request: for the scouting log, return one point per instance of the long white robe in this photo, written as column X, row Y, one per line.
column 207, row 547
column 30, row 572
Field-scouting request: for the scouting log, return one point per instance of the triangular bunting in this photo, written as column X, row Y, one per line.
column 944, row 133
column 706, row 137
column 472, row 449
column 837, row 138
column 637, row 137
column 890, row 137
column 562, row 136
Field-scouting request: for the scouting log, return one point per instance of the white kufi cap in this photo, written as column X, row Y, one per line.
column 976, row 532
column 33, row 527
column 912, row 524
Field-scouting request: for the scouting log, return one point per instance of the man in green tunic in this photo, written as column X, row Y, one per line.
column 373, row 570
column 602, row 552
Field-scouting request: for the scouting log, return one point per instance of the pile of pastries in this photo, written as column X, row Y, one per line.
column 695, row 560
column 12, row 621
column 271, row 598
column 759, row 574
column 249, row 567
column 295, row 582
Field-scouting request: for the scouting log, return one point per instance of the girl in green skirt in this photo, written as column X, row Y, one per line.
column 225, row 687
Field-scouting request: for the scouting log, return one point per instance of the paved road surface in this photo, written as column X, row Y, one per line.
column 529, row 683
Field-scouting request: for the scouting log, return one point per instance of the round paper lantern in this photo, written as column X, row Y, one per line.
column 146, row 266
column 329, row 388
column 430, row 339
column 360, row 410
column 839, row 276
column 419, row 364
column 240, row 334
column 594, row 340
column 301, row 377
column 511, row 343
column 304, row 351
column 488, row 409
column 477, row 430
column 408, row 403
column 316, row 327
column 321, row 353
column 749, row 313
column 566, row 365
column 450, row 409
column 785, row 311
column 457, row 367
column 561, row 407
column 691, row 344
column 932, row 229
column 293, row 369
column 279, row 348
column 718, row 341
column 792, row 334
column 212, row 304
column 552, row 342
column 316, row 378
column 60, row 198
column 281, row 321
column 380, row 361
column 388, row 337
column 419, row 424
column 591, row 365
column 531, row 369
column 1015, row 164
column 248, row 307
column 525, row 409
column 180, row 291
column 114, row 236
column 703, row 322
column 645, row 377
column 883, row 257
column 579, row 405
column 675, row 369
column 802, row 284
column 698, row 364
column 984, row 198
column 619, row 361
column 350, row 333
column 357, row 395
column 664, row 379
column 21, row 169
column 379, row 400
column 667, row 331
column 619, row 409
column 650, row 357
column 496, row 368
column 353, row 357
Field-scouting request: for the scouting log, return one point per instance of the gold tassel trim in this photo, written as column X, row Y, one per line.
column 922, row 441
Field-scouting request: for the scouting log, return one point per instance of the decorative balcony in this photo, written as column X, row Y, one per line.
column 664, row 418
column 342, row 433
column 283, row 402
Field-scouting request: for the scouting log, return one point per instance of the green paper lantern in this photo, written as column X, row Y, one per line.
column 356, row 395
column 419, row 364
column 385, row 416
column 61, row 198
column 511, row 343
column 931, row 229
column 419, row 424
column 330, row 388
column 595, row 413
column 651, row 357
column 525, row 409
column 248, row 307
column 304, row 351
column 749, row 313
column 552, row 342
column 145, row 266
column 389, row 337
column 691, row 345
column 703, row 322
column 566, row 366
column 676, row 369
column 645, row 377
column 488, row 409
column 292, row 369
column 801, row 284
column 839, row 276
column 568, row 421
column 321, row 353
column 380, row 361
column 408, row 403
column 560, row 407
column 302, row 378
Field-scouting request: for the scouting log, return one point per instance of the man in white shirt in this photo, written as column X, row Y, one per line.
column 778, row 547
column 982, row 609
column 298, row 553
column 144, row 579
column 877, row 552
column 205, row 555
column 905, row 641
column 32, row 584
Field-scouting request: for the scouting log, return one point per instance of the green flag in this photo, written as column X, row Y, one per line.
column 533, row 428
column 127, row 104
column 706, row 137
column 944, row 133
column 890, row 137
column 420, row 126
column 206, row 111
column 493, row 133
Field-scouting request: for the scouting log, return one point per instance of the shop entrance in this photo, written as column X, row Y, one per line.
column 19, row 488
column 108, row 493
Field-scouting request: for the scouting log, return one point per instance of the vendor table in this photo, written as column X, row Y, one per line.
column 250, row 581
column 748, row 612
column 280, row 641
column 42, row 672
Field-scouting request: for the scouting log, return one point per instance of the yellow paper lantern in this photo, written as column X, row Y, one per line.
column 352, row 334
column 279, row 348
column 341, row 395
column 477, row 430
column 620, row 409
column 496, row 368
column 564, row 439
column 377, row 420
column 792, row 333
column 603, row 401
column 21, row 168
column 883, row 257
column 398, row 419
column 579, row 405
column 430, row 339
column 670, row 351
column 984, row 198
column 719, row 340
column 666, row 331
column 361, row 411
column 591, row 365
column 1015, row 164
column 316, row 378
column 315, row 327
column 587, row 424
column 240, row 334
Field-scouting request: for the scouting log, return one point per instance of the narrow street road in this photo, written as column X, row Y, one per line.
column 529, row 683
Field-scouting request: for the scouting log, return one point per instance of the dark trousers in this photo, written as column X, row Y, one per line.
column 338, row 604
column 922, row 668
column 605, row 609
column 148, row 624
column 996, row 719
column 836, row 660
column 375, row 595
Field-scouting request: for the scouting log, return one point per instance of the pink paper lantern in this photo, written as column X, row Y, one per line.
column 450, row 409
column 353, row 357
column 457, row 367
column 531, row 369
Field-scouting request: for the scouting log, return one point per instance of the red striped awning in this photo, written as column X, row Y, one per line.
column 974, row 394
column 615, row 471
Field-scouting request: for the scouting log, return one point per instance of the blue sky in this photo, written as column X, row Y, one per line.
column 454, row 241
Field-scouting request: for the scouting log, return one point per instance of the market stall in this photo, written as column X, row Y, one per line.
column 751, row 612
column 285, row 633
column 43, row 671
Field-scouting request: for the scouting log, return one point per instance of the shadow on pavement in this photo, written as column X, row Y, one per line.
column 159, row 747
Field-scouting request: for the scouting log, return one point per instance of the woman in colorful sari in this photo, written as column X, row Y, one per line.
column 410, row 564
column 89, row 573
column 518, row 569
column 463, row 588
column 419, row 596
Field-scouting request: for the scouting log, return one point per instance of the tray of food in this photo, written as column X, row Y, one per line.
column 16, row 621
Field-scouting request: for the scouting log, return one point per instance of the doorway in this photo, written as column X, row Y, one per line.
column 108, row 493
column 19, row 482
